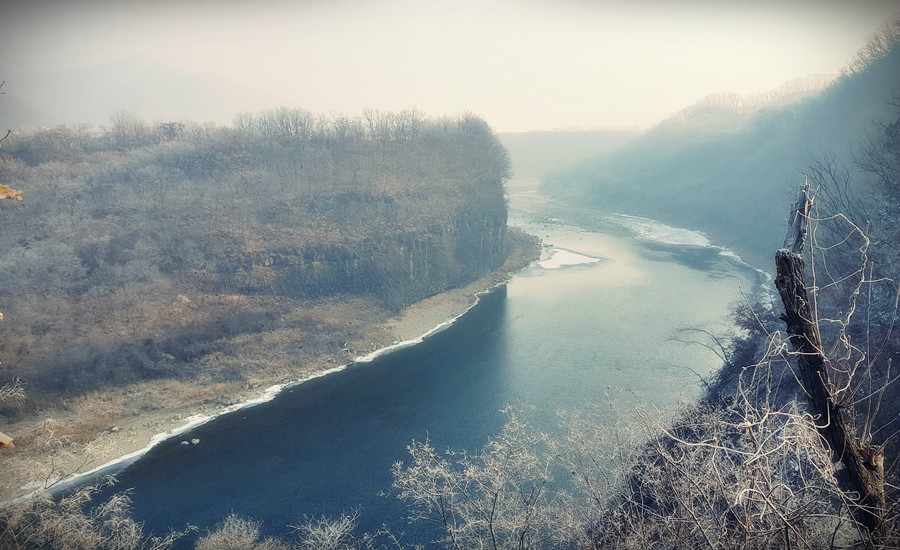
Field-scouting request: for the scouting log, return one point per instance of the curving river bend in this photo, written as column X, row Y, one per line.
column 597, row 315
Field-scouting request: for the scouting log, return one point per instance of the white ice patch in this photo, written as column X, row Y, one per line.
column 657, row 232
column 661, row 233
column 728, row 253
column 556, row 258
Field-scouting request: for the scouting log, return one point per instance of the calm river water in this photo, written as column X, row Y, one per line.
column 600, row 311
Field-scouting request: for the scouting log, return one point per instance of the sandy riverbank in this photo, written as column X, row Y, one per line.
column 48, row 458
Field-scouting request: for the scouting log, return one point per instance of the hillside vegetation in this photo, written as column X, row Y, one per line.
column 190, row 252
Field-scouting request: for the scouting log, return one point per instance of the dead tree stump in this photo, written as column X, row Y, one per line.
column 862, row 474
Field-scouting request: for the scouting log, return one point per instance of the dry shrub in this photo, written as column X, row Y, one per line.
column 75, row 522
column 327, row 534
column 237, row 533
column 12, row 392
column 718, row 477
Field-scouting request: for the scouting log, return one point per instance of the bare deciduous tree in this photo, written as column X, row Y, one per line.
column 498, row 498
column 238, row 533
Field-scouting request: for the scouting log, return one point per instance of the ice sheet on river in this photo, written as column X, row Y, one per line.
column 555, row 258
column 653, row 230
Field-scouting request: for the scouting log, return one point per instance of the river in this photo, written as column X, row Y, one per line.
column 596, row 317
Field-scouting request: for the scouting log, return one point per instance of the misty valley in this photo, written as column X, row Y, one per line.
column 398, row 330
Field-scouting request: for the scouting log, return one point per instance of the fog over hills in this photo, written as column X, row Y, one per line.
column 135, row 84
column 789, row 92
column 729, row 165
column 536, row 154
column 728, row 110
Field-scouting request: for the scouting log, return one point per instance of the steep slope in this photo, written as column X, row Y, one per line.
column 724, row 165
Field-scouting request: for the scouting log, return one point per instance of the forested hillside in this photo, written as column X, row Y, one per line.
column 723, row 165
column 186, row 251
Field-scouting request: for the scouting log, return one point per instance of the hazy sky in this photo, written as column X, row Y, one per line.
column 520, row 64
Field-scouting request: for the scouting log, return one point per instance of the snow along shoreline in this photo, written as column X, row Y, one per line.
column 419, row 318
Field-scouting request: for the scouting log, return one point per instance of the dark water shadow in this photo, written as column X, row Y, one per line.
column 326, row 447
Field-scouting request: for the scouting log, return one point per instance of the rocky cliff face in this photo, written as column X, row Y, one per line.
column 399, row 268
